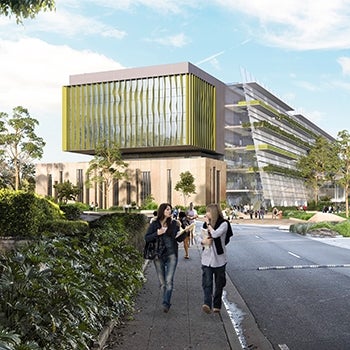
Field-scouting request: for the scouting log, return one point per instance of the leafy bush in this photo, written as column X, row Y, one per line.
column 22, row 213
column 201, row 210
column 300, row 228
column 61, row 227
column 71, row 211
column 149, row 203
column 133, row 224
column 298, row 214
column 116, row 208
column 342, row 228
column 59, row 293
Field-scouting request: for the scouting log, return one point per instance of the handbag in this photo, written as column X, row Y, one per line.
column 154, row 249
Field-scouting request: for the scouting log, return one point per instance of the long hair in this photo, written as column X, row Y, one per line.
column 160, row 212
column 216, row 214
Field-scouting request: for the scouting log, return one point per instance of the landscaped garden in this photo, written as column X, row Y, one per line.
column 62, row 281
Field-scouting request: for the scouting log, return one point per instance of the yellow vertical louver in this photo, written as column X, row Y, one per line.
column 172, row 110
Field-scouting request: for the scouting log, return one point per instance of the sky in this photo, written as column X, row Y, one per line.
column 298, row 50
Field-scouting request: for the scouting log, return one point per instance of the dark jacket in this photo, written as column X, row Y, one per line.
column 168, row 238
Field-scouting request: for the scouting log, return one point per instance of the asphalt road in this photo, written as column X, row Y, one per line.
column 297, row 289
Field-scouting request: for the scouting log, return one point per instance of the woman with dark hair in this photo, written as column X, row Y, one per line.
column 218, row 232
column 166, row 229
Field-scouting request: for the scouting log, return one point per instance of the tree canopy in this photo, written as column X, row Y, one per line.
column 343, row 175
column 186, row 185
column 106, row 167
column 19, row 147
column 66, row 191
column 22, row 9
column 319, row 165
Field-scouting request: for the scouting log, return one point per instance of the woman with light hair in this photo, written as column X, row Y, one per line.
column 216, row 235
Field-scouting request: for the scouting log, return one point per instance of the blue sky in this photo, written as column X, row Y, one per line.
column 299, row 50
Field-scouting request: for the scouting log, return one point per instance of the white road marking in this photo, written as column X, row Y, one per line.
column 264, row 268
column 297, row 256
column 283, row 347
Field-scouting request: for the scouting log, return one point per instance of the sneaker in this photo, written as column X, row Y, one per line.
column 166, row 308
column 206, row 308
column 216, row 310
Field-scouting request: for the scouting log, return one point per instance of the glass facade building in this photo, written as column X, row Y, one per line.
column 141, row 114
column 264, row 139
column 240, row 141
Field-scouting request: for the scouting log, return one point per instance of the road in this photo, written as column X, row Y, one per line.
column 297, row 289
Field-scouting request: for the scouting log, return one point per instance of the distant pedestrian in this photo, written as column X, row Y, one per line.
column 274, row 213
column 214, row 257
column 185, row 223
column 192, row 215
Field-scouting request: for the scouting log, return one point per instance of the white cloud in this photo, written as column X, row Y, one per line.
column 177, row 40
column 306, row 85
column 345, row 64
column 65, row 21
column 164, row 6
column 298, row 25
column 32, row 75
column 345, row 86
column 210, row 58
column 290, row 24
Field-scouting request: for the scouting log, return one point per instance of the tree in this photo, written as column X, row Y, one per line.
column 320, row 165
column 19, row 146
column 25, row 8
column 66, row 191
column 343, row 147
column 186, row 185
column 106, row 167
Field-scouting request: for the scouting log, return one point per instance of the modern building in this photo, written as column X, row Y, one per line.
column 239, row 141
column 264, row 138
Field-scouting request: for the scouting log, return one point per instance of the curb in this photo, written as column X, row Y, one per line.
column 106, row 331
column 256, row 339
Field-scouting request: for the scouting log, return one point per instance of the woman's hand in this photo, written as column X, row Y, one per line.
column 161, row 230
column 210, row 228
column 207, row 241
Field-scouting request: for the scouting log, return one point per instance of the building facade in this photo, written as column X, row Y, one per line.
column 239, row 141
column 166, row 120
column 263, row 141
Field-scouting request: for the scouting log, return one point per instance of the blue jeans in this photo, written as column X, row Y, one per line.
column 165, row 268
column 212, row 296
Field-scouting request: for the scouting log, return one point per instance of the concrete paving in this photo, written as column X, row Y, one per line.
column 186, row 326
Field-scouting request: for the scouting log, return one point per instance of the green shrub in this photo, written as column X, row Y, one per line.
column 298, row 214
column 301, row 228
column 343, row 228
column 201, row 210
column 71, row 211
column 149, row 203
column 22, row 213
column 133, row 224
column 59, row 293
column 116, row 208
column 62, row 227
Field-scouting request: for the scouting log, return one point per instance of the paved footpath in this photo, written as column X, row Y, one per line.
column 185, row 326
